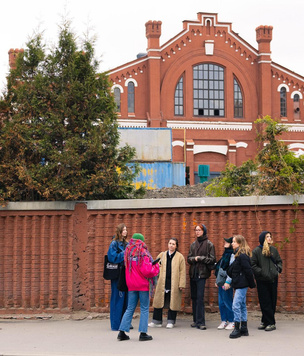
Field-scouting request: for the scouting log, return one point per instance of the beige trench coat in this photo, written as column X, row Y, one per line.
column 178, row 280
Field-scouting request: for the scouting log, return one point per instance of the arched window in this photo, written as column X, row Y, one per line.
column 131, row 97
column 117, row 98
column 179, row 98
column 208, row 90
column 296, row 106
column 238, row 99
column 283, row 107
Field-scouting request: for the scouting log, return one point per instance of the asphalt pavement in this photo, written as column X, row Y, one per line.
column 94, row 337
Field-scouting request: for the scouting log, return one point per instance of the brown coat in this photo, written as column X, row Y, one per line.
column 178, row 280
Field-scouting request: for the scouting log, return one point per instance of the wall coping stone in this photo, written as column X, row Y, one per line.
column 156, row 203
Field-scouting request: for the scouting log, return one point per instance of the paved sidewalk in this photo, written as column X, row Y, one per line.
column 93, row 337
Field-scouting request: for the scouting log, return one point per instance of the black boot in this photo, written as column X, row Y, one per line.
column 244, row 329
column 145, row 337
column 236, row 332
column 122, row 336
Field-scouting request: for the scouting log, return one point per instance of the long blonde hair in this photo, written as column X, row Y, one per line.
column 266, row 247
column 243, row 246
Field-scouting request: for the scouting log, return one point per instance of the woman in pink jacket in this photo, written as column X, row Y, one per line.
column 140, row 273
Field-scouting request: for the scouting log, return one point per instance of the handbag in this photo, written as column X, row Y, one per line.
column 110, row 270
column 221, row 277
column 122, row 284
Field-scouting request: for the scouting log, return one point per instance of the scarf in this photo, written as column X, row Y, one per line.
column 137, row 250
column 201, row 246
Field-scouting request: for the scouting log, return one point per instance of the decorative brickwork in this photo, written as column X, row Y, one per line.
column 52, row 260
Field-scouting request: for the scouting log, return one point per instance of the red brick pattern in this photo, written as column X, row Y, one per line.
column 52, row 261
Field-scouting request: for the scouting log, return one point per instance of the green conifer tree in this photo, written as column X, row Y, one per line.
column 58, row 132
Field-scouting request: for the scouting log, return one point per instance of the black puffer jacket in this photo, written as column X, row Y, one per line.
column 241, row 272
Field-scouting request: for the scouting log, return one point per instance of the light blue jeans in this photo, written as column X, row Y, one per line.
column 239, row 305
column 133, row 297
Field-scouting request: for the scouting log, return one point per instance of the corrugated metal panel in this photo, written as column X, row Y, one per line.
column 152, row 144
column 161, row 174
column 179, row 174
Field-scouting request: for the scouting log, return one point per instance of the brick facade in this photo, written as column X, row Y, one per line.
column 52, row 256
column 202, row 138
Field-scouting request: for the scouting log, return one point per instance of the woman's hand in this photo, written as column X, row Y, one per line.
column 226, row 286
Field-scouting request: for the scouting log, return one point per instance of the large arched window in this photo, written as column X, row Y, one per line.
column 283, row 107
column 238, row 99
column 117, row 98
column 179, row 98
column 131, row 97
column 208, row 90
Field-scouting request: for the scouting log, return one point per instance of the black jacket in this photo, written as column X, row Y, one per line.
column 264, row 268
column 241, row 272
column 205, row 263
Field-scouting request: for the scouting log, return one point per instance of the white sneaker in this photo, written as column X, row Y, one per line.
column 223, row 325
column 170, row 326
column 230, row 326
column 153, row 325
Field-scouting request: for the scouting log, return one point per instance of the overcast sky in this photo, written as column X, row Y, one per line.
column 120, row 25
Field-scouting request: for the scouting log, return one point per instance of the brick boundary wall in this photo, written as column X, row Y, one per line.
column 52, row 253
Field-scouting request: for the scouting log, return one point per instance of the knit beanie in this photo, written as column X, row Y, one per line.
column 262, row 237
column 138, row 236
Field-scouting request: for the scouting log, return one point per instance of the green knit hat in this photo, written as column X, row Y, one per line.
column 138, row 236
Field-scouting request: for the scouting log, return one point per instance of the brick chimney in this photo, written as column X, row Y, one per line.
column 153, row 33
column 264, row 37
column 12, row 57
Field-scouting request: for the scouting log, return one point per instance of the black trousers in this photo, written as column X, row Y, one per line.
column 158, row 312
column 197, row 289
column 267, row 293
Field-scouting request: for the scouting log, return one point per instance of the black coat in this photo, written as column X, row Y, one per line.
column 241, row 272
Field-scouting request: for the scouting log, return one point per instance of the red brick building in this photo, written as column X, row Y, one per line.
column 209, row 86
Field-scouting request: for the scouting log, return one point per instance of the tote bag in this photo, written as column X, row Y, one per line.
column 122, row 284
column 110, row 270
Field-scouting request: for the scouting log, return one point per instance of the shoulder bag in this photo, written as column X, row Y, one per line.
column 110, row 270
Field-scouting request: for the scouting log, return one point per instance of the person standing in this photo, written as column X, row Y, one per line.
column 201, row 259
column 171, row 282
column 140, row 273
column 267, row 264
column 225, row 292
column 119, row 300
column 242, row 277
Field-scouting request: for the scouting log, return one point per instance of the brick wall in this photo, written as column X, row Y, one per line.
column 51, row 254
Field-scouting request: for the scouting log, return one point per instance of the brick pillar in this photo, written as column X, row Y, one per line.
column 190, row 159
column 232, row 151
column 12, row 57
column 80, row 258
column 264, row 37
column 153, row 33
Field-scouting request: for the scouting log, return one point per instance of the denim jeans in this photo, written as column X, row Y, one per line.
column 118, row 305
column 197, row 286
column 239, row 305
column 133, row 297
column 225, row 298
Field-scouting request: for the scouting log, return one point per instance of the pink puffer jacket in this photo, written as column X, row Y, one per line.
column 138, row 277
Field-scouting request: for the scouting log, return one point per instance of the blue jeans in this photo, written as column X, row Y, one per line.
column 133, row 297
column 239, row 305
column 118, row 305
column 225, row 299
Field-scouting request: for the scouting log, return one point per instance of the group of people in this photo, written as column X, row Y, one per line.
column 239, row 268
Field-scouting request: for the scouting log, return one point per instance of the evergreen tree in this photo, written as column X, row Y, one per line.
column 59, row 133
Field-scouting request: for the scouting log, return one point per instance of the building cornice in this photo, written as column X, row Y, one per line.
column 204, row 125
